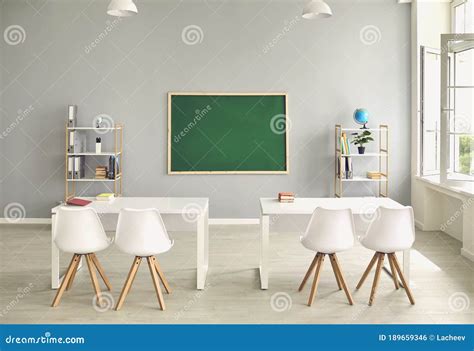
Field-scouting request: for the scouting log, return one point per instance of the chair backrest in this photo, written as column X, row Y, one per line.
column 79, row 230
column 330, row 231
column 392, row 229
column 141, row 232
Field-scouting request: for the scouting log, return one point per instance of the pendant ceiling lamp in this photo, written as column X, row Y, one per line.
column 122, row 8
column 316, row 9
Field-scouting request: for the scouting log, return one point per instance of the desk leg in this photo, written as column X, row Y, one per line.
column 54, row 257
column 264, row 247
column 202, row 249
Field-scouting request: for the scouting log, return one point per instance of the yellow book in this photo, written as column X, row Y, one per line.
column 105, row 196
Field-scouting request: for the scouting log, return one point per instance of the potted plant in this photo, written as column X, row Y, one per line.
column 361, row 139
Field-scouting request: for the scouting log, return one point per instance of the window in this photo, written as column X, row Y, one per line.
column 461, row 107
column 430, row 111
column 462, row 16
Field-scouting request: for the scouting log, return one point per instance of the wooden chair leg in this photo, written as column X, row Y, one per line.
column 376, row 277
column 402, row 277
column 334, row 269
column 128, row 282
column 101, row 271
column 73, row 275
column 339, row 275
column 67, row 276
column 156, row 282
column 310, row 270
column 161, row 275
column 317, row 274
column 367, row 271
column 95, row 281
column 393, row 270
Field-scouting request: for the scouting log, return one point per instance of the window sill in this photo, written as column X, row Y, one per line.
column 464, row 189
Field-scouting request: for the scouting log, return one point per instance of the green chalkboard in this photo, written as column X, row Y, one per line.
column 227, row 133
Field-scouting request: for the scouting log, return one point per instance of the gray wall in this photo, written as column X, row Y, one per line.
column 327, row 67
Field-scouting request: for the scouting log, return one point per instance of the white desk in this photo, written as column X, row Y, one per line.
column 360, row 206
column 191, row 209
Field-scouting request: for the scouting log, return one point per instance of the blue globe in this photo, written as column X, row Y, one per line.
column 361, row 116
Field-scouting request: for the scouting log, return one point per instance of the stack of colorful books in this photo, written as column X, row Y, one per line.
column 286, row 197
column 101, row 172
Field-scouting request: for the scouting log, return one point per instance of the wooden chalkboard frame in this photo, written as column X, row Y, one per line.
column 287, row 159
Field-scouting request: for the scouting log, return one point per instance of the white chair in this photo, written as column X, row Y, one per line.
column 142, row 233
column 328, row 232
column 391, row 230
column 80, row 232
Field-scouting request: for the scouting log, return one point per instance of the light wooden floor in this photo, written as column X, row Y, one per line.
column 442, row 283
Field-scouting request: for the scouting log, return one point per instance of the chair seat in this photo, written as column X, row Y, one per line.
column 143, row 250
column 86, row 249
column 328, row 247
column 383, row 246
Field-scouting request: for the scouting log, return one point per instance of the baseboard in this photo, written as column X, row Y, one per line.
column 25, row 221
column 419, row 224
column 212, row 221
column 469, row 255
column 233, row 221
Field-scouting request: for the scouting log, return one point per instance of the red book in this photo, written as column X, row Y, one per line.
column 78, row 202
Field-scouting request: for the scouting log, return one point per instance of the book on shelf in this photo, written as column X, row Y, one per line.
column 79, row 167
column 345, row 171
column 374, row 175
column 71, row 118
column 70, row 167
column 77, row 142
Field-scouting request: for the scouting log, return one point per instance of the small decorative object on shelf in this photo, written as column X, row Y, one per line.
column 77, row 154
column 98, row 122
column 360, row 139
column 344, row 158
column 286, row 197
column 98, row 145
column 361, row 116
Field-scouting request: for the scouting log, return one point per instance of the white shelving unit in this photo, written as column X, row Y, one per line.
column 70, row 183
column 382, row 155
